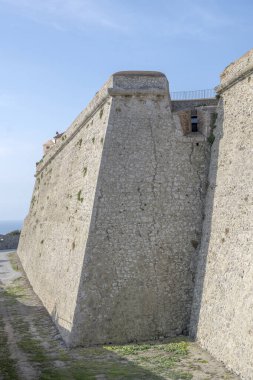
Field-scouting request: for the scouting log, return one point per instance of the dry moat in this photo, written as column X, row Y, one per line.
column 31, row 348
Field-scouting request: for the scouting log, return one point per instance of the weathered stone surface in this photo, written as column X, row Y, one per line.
column 110, row 241
column 222, row 317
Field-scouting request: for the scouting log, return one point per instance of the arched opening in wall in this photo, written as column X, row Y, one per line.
column 194, row 121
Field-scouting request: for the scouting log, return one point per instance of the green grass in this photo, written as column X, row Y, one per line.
column 7, row 364
column 150, row 361
column 32, row 347
column 130, row 349
column 177, row 348
column 15, row 291
column 13, row 261
column 158, row 359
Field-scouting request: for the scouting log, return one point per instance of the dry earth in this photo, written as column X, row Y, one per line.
column 31, row 348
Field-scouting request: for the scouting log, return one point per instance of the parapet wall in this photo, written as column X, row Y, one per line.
column 222, row 316
column 111, row 238
column 178, row 105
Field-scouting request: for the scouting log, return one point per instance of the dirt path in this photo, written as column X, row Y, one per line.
column 31, row 348
column 7, row 273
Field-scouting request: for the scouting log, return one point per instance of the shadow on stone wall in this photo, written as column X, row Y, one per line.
column 75, row 335
column 31, row 346
column 207, row 224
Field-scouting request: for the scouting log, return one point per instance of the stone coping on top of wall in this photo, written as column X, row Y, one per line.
column 236, row 71
column 178, row 105
column 122, row 83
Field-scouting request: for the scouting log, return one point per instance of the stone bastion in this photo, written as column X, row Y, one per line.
column 136, row 232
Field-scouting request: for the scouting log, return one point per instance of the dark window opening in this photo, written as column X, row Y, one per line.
column 194, row 123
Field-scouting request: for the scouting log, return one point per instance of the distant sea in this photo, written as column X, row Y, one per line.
column 10, row 225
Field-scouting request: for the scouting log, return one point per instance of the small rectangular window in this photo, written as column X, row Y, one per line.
column 194, row 123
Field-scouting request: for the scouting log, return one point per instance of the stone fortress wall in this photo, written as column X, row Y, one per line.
column 222, row 318
column 55, row 232
column 110, row 241
column 112, row 238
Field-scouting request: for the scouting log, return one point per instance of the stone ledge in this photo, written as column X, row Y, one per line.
column 71, row 133
column 139, row 74
column 123, row 83
column 136, row 92
column 191, row 137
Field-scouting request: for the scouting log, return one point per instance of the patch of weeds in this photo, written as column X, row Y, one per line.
column 85, row 171
column 64, row 374
column 93, row 140
column 102, row 140
column 178, row 348
column 164, row 357
column 32, row 347
column 111, row 370
column 38, row 355
column 7, row 364
column 42, row 241
column 33, row 200
column 178, row 375
column 79, row 197
column 62, row 355
column 14, row 261
column 131, row 349
column 101, row 113
column 161, row 362
column 79, row 143
column 203, row 361
column 15, row 291
column 211, row 138
column 194, row 243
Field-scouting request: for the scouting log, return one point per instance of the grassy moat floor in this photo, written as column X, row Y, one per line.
column 31, row 348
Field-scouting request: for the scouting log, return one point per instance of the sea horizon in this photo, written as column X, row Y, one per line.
column 7, row 226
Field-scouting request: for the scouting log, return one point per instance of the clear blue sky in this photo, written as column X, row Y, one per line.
column 55, row 54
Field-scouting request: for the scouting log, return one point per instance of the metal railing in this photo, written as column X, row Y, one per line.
column 190, row 95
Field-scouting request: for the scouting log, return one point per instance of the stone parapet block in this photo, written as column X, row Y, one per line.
column 236, row 72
